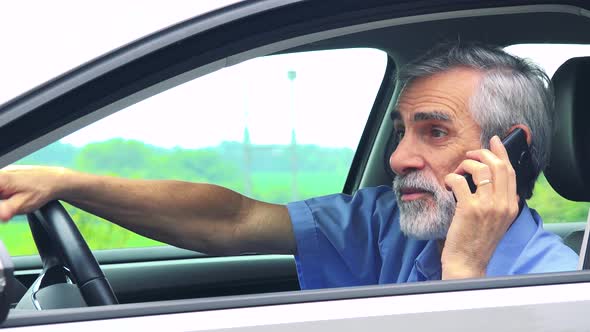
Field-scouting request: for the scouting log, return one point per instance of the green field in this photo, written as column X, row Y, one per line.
column 17, row 238
column 554, row 208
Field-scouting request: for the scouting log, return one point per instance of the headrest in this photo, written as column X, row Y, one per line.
column 568, row 170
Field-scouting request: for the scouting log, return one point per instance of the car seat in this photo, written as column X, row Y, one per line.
column 568, row 170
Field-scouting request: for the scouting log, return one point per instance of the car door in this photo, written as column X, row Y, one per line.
column 140, row 272
column 204, row 45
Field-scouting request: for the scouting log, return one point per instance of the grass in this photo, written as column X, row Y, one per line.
column 17, row 237
column 553, row 208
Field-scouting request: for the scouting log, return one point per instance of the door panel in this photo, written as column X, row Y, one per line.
column 201, row 277
column 191, row 277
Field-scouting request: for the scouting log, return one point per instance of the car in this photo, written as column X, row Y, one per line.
column 215, row 60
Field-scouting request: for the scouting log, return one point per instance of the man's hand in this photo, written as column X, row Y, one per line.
column 24, row 189
column 482, row 218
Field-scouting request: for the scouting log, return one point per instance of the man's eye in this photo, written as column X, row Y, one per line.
column 437, row 133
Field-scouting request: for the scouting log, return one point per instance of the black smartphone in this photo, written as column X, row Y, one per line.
column 520, row 158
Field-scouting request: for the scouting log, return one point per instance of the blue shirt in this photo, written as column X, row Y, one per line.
column 356, row 240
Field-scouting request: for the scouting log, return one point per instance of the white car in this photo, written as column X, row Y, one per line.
column 267, row 82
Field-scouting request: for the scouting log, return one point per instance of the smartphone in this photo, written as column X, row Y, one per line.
column 520, row 158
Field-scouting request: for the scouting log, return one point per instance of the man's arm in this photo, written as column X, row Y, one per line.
column 202, row 217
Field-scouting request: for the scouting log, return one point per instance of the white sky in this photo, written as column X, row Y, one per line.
column 331, row 98
column 549, row 56
column 42, row 39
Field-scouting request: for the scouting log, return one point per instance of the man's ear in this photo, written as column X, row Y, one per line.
column 529, row 136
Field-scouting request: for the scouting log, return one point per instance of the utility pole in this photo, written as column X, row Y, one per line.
column 247, row 150
column 292, row 74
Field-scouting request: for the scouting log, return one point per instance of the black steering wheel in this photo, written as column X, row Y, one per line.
column 66, row 256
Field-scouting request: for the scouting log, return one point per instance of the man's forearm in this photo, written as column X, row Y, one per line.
column 201, row 217
column 194, row 216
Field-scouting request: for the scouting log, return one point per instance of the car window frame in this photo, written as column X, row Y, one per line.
column 20, row 319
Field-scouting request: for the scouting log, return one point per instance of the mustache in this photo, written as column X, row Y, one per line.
column 416, row 180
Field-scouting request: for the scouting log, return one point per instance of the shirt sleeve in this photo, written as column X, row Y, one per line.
column 337, row 237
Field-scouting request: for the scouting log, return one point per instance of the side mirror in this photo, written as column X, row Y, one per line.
column 6, row 281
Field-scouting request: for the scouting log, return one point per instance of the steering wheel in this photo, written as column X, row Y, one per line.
column 66, row 257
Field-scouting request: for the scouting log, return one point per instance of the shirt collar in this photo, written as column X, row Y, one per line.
column 428, row 265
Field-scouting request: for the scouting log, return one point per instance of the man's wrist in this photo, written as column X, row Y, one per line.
column 462, row 271
column 66, row 182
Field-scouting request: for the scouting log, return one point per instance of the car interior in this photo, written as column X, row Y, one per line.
column 166, row 273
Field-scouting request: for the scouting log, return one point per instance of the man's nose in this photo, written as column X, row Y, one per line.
column 406, row 158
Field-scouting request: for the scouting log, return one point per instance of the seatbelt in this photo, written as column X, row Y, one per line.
column 584, row 262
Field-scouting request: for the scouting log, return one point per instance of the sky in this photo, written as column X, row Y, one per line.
column 332, row 92
column 327, row 103
column 41, row 39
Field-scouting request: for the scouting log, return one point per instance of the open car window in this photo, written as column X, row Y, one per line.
column 278, row 128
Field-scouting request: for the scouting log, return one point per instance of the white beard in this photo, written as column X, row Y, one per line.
column 427, row 218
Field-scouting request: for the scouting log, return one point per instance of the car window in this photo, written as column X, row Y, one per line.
column 276, row 128
column 550, row 205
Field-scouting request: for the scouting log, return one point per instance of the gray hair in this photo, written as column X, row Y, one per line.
column 512, row 91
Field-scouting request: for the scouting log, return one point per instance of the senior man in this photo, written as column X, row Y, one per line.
column 455, row 103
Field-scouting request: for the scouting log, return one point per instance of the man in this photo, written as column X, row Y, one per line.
column 455, row 103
